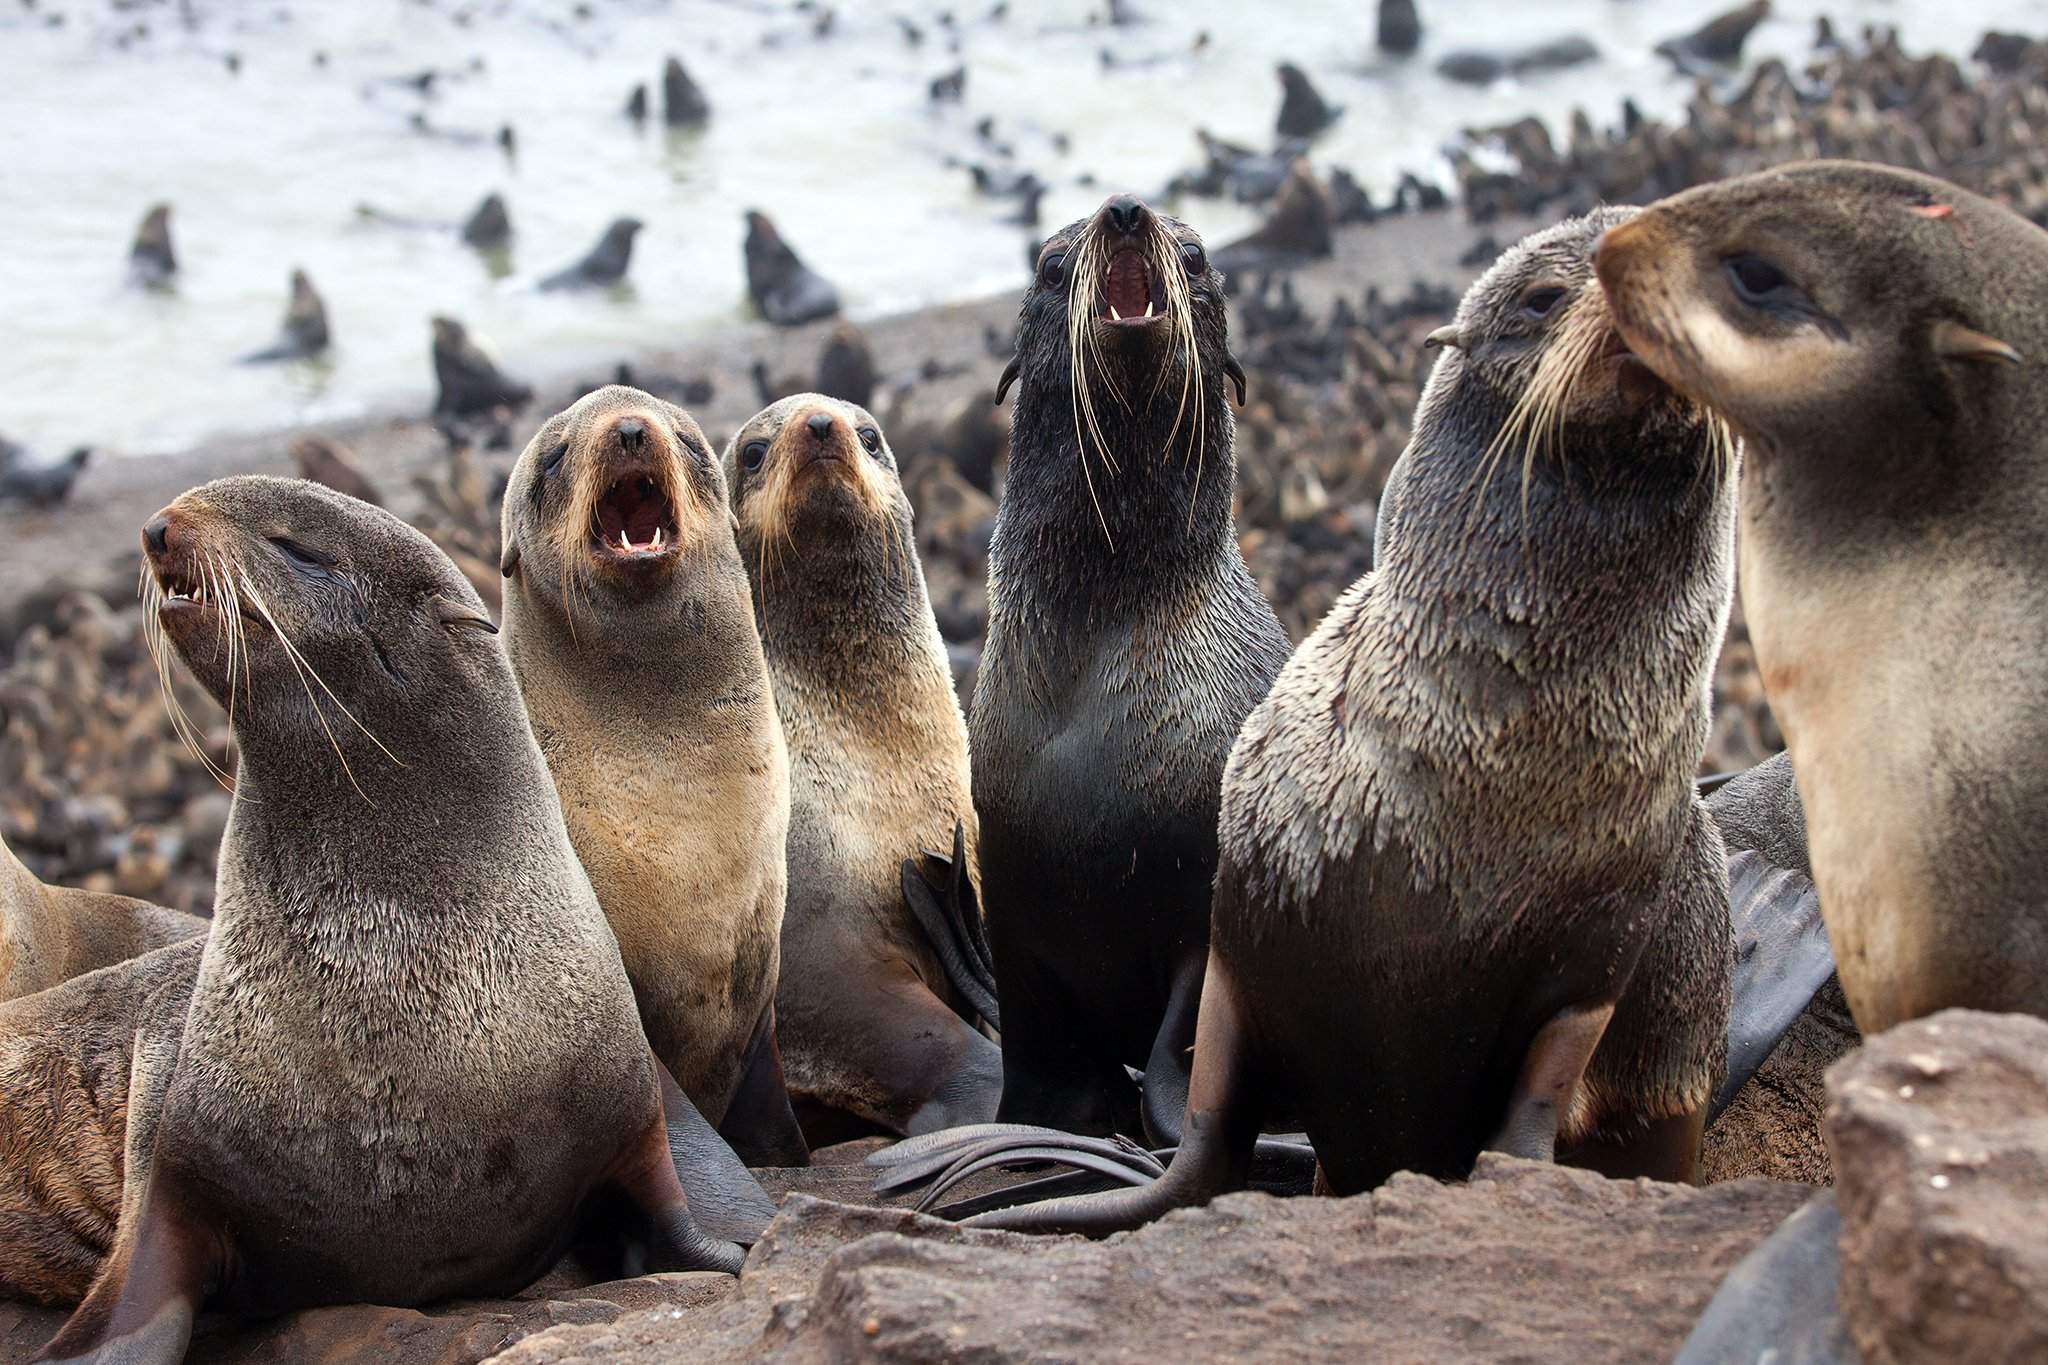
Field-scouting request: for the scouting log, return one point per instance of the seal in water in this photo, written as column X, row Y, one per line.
column 868, row 1021
column 605, row 264
column 631, row 628
column 49, row 934
column 785, row 290
column 1469, row 895
column 470, row 381
column 150, row 259
column 407, row 968
column 1873, row 336
column 1126, row 644
column 304, row 333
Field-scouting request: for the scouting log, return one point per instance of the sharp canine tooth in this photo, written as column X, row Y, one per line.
column 1148, row 308
column 1115, row 316
column 657, row 537
column 625, row 544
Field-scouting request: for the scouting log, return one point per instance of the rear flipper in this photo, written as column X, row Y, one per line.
column 648, row 1178
column 1779, row 1302
column 727, row 1201
column 941, row 898
column 759, row 1122
column 1782, row 959
column 1163, row 1094
column 140, row 1309
column 1551, row 1072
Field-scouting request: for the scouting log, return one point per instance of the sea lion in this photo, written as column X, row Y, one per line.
column 1126, row 643
column 1468, row 894
column 1872, row 335
column 49, row 934
column 604, row 264
column 151, row 260
column 304, row 333
column 868, row 1022
column 469, row 379
column 410, row 1061
column 631, row 628
column 785, row 290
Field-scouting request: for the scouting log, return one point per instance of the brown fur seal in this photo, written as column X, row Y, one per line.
column 1874, row 336
column 49, row 934
column 410, row 1062
column 868, row 1022
column 631, row 628
column 1126, row 643
column 1468, row 894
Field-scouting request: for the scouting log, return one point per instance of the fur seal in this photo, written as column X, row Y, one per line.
column 1716, row 43
column 785, row 290
column 846, row 367
column 1468, row 894
column 604, row 264
column 1399, row 30
column 151, row 260
column 304, row 334
column 1872, row 335
column 49, row 934
column 409, row 1065
column 469, row 379
column 330, row 462
column 1126, row 644
column 1303, row 110
column 631, row 628
column 682, row 104
column 868, row 1021
column 41, row 484
column 488, row 227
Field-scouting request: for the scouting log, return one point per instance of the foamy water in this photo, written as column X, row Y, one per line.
column 834, row 137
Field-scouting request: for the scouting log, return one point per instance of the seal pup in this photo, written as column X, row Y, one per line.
column 785, row 290
column 49, row 934
column 469, row 379
column 1469, row 895
column 631, row 628
column 1126, row 644
column 304, row 333
column 151, row 261
column 1873, row 334
column 867, row 1018
column 604, row 264
column 410, row 1060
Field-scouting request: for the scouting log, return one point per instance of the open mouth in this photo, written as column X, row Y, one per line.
column 183, row 590
column 1127, row 291
column 634, row 520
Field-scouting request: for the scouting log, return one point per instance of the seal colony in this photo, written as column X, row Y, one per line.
column 1126, row 644
column 406, row 968
column 870, row 1024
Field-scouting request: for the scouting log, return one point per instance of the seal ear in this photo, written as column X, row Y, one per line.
column 1009, row 378
column 1953, row 341
column 511, row 559
column 1236, row 373
column 1446, row 335
column 457, row 615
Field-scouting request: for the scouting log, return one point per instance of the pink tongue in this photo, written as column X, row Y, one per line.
column 1129, row 284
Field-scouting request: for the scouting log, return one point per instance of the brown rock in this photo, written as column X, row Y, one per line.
column 1772, row 1128
column 1940, row 1134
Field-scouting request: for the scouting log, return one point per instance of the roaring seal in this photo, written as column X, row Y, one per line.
column 1873, row 335
column 410, row 1061
column 631, row 628
column 1469, row 895
column 868, row 1022
column 1126, row 644
column 50, row 934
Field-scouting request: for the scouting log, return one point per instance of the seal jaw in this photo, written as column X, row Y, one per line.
column 1130, row 295
column 634, row 521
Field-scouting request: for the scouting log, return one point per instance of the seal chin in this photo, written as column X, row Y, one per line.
column 634, row 523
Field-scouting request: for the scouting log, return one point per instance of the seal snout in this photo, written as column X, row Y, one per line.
column 825, row 439
column 167, row 546
column 634, row 516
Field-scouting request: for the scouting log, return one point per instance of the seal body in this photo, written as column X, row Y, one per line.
column 1126, row 643
column 868, row 1023
column 49, row 934
column 631, row 629
column 1873, row 335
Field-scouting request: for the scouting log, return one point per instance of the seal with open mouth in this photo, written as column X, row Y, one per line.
column 1875, row 336
column 630, row 626
column 409, row 1063
column 1126, row 643
column 869, row 1022
column 1469, row 895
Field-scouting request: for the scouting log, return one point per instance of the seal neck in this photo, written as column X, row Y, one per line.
column 846, row 609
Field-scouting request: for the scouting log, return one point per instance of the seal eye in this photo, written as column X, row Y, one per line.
column 1194, row 258
column 554, row 459
column 300, row 557
column 751, row 455
column 871, row 440
column 1052, row 269
column 1537, row 303
column 1757, row 281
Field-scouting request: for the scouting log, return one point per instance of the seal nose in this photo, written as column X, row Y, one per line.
column 820, row 424
column 631, row 431
column 1128, row 214
column 156, row 537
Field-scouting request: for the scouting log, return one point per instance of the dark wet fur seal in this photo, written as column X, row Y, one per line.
column 1469, row 896
column 868, row 1021
column 1299, row 228
column 304, row 334
column 605, row 264
column 682, row 104
column 470, row 381
column 1126, row 643
column 1875, row 337
column 1303, row 110
column 406, row 967
column 150, row 259
column 50, row 934
column 1718, row 42
column 631, row 628
column 1400, row 30
column 42, row 485
column 846, row 368
column 785, row 290
column 1483, row 68
column 489, row 226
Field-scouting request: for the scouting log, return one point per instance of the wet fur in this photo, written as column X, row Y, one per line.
column 50, row 934
column 878, row 771
column 653, row 706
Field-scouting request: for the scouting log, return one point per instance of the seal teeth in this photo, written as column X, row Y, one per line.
column 657, row 538
column 625, row 544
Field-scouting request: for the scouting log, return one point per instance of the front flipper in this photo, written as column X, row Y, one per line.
column 941, row 898
column 1551, row 1072
column 759, row 1122
column 726, row 1199
column 1778, row 1303
column 1781, row 959
column 140, row 1309
column 647, row 1176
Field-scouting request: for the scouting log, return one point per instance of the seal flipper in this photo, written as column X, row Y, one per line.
column 726, row 1199
column 759, row 1122
column 941, row 898
column 141, row 1308
column 1163, row 1097
column 1778, row 1302
column 1551, row 1071
column 648, row 1177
